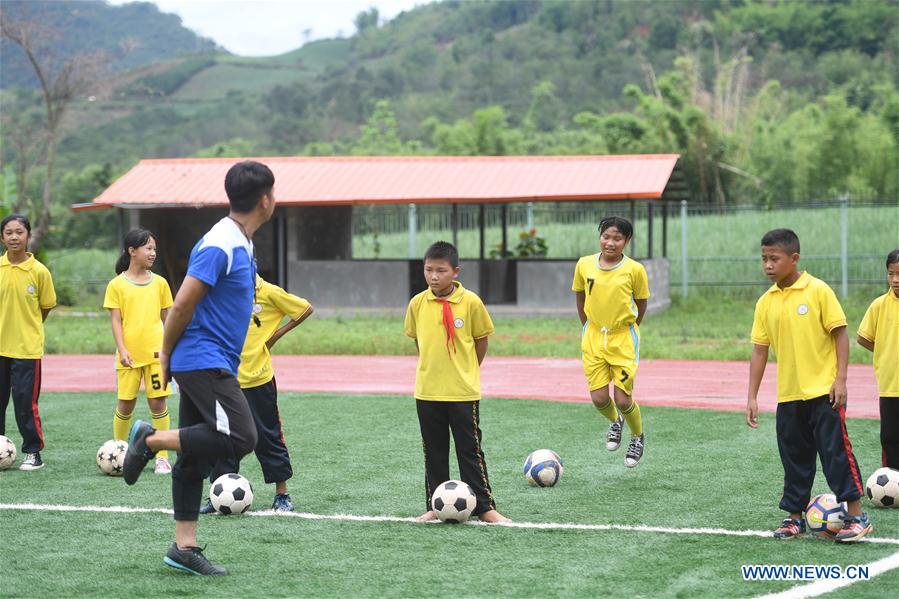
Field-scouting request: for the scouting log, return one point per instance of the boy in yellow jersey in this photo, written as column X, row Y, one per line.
column 450, row 326
column 879, row 332
column 138, row 300
column 257, row 381
column 611, row 290
column 800, row 318
column 26, row 298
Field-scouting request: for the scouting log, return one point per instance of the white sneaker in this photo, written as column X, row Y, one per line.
column 162, row 466
column 32, row 461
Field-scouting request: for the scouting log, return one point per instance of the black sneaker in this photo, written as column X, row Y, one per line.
column 207, row 508
column 191, row 560
column 138, row 455
column 613, row 437
column 634, row 451
column 32, row 461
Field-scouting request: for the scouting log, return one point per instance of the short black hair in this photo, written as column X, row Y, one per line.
column 893, row 257
column 25, row 222
column 443, row 250
column 785, row 239
column 623, row 225
column 246, row 183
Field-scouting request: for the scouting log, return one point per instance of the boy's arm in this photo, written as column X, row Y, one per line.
column 756, row 371
column 838, row 393
column 192, row 291
column 867, row 344
column 641, row 309
column 163, row 313
column 289, row 327
column 124, row 354
column 480, row 348
column 45, row 312
column 580, row 297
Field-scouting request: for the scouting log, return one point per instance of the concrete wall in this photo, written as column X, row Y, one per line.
column 547, row 283
column 362, row 284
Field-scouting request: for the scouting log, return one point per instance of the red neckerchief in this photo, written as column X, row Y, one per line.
column 448, row 323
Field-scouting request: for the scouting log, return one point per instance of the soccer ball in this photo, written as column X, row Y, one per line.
column 882, row 487
column 824, row 515
column 231, row 494
column 7, row 452
column 543, row 468
column 453, row 501
column 111, row 457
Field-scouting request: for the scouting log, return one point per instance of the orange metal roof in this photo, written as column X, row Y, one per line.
column 307, row 181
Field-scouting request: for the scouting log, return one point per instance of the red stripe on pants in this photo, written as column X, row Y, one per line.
column 35, row 393
column 853, row 466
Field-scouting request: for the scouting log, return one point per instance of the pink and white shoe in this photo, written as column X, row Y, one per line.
column 162, row 466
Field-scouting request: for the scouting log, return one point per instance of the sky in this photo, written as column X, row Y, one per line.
column 270, row 27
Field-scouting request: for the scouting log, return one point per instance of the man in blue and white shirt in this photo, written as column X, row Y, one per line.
column 204, row 335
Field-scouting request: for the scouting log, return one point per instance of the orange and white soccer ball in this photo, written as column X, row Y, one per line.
column 824, row 515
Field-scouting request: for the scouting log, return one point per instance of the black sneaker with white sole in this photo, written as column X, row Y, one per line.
column 138, row 454
column 207, row 508
column 634, row 451
column 192, row 561
column 32, row 461
column 613, row 437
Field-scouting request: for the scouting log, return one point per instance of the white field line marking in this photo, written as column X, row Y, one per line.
column 820, row 587
column 355, row 518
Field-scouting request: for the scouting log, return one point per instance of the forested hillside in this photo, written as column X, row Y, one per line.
column 767, row 101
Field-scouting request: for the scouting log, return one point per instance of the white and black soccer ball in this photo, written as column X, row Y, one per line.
column 543, row 468
column 882, row 487
column 231, row 494
column 453, row 501
column 7, row 452
column 111, row 457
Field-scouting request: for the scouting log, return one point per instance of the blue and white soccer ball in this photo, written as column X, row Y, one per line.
column 543, row 468
column 7, row 452
column 231, row 494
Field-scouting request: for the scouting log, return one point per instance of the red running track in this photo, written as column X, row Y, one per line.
column 678, row 383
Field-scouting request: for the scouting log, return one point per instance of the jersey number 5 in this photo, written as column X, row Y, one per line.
column 154, row 381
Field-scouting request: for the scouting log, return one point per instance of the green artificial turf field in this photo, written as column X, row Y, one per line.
column 361, row 455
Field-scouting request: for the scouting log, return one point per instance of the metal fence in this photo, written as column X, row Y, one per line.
column 843, row 241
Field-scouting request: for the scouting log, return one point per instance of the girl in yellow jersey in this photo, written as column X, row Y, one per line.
column 26, row 298
column 138, row 300
column 611, row 290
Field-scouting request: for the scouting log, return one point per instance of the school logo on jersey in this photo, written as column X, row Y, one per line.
column 459, row 323
column 257, row 308
column 31, row 289
column 802, row 309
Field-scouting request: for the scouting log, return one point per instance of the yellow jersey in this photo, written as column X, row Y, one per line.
column 797, row 322
column 140, row 305
column 271, row 306
column 880, row 326
column 25, row 290
column 610, row 293
column 445, row 372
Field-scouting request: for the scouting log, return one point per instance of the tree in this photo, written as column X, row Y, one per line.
column 61, row 80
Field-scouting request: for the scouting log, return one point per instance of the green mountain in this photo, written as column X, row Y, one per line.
column 133, row 35
column 766, row 100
